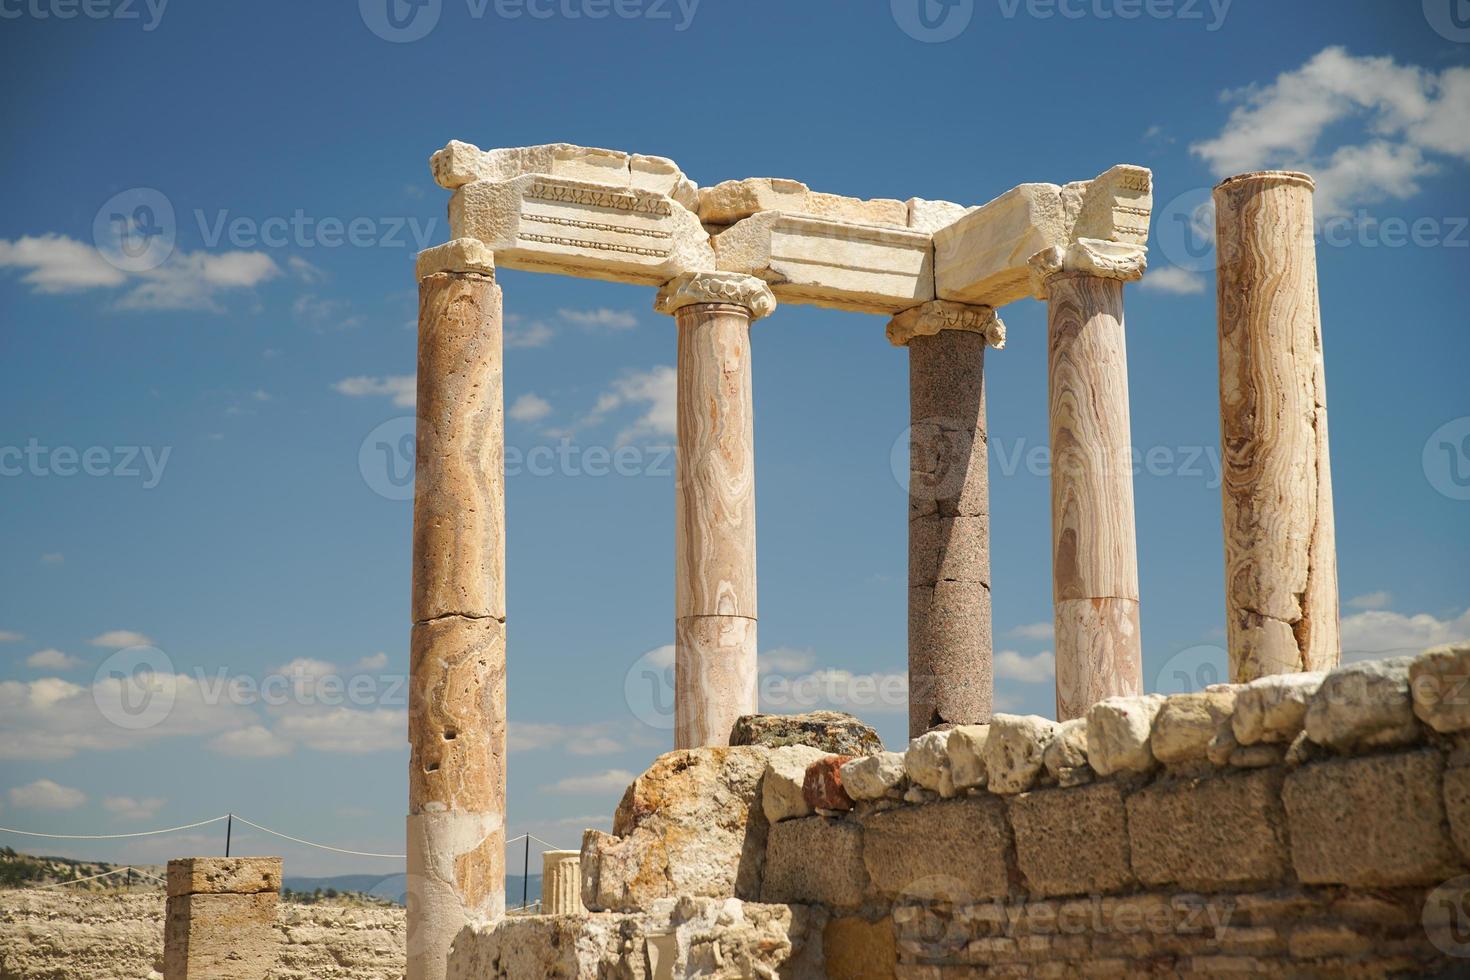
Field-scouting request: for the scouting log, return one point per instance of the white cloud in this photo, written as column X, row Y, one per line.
column 44, row 794
column 253, row 742
column 580, row 740
column 655, row 390
column 121, row 639
column 52, row 659
column 1404, row 112
column 10, row 636
column 602, row 317
column 402, row 388
column 346, row 731
column 314, row 311
column 1035, row 631
column 1029, row 670
column 127, row 808
column 371, row 663
column 1372, row 600
column 786, row 660
column 1377, row 633
column 660, row 657
column 611, row 781
column 533, row 334
column 529, row 408
column 1169, row 279
column 304, row 270
column 58, row 264
column 837, row 690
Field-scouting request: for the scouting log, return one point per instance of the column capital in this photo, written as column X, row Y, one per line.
column 459, row 255
column 735, row 288
column 1094, row 257
column 937, row 315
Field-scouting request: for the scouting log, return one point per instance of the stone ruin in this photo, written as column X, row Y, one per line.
column 1289, row 822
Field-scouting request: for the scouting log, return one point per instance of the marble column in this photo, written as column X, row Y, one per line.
column 456, row 723
column 715, row 678
column 561, row 883
column 950, row 648
column 1094, row 551
column 1281, row 599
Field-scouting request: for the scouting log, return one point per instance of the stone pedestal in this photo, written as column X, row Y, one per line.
column 456, row 823
column 220, row 922
column 714, row 563
column 950, row 647
column 1281, row 598
column 561, row 883
column 1094, row 551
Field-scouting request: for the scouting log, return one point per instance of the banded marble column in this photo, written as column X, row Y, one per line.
column 1094, row 549
column 950, row 647
column 456, row 723
column 715, row 679
column 1281, row 599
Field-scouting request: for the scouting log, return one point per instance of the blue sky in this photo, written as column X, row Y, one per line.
column 234, row 403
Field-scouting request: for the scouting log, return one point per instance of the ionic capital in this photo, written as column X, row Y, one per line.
column 460, row 255
column 735, row 288
column 936, row 315
column 1094, row 257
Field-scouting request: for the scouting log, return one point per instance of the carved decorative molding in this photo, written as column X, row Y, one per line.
column 1088, row 257
column 937, row 315
column 736, row 288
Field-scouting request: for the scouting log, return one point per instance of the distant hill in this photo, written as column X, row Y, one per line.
column 32, row 871
column 394, row 888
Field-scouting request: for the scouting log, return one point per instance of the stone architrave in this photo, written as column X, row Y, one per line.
column 464, row 163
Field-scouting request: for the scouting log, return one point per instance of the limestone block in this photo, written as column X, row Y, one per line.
column 1457, row 808
column 928, row 764
column 875, row 777
column 1065, row 757
column 822, row 788
column 692, row 825
column 1225, row 831
column 781, row 786
column 864, row 268
column 1273, row 708
column 463, row 163
column 954, row 847
column 931, row 216
column 936, row 315
column 1371, row 822
column 1440, row 681
column 223, row 876
column 581, row 228
column 221, row 936
column 815, row 860
column 459, row 256
column 967, row 755
column 1187, row 723
column 1014, row 749
column 857, row 949
column 735, row 200
column 1119, row 734
column 1072, row 842
column 1364, row 705
column 834, row 732
column 981, row 258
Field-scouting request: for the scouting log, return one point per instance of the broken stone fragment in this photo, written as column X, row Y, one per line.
column 981, row 258
column 1273, row 708
column 781, row 786
column 463, row 255
column 931, row 216
column 875, row 777
column 834, row 732
column 822, row 788
column 1065, row 756
column 463, row 163
column 1364, row 705
column 1187, row 723
column 1440, row 681
column 928, row 765
column 1014, row 750
column 1119, row 734
column 967, row 755
column 734, row 200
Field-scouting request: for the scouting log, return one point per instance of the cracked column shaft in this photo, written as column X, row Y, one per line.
column 715, row 679
column 456, row 725
column 1280, row 549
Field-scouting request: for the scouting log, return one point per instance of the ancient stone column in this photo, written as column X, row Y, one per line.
column 220, row 920
column 456, row 724
column 1094, row 551
column 950, row 650
column 561, row 883
column 1280, row 547
column 714, row 552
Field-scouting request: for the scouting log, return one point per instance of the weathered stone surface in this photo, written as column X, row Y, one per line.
column 581, row 228
column 715, row 671
column 692, row 825
column 981, row 258
column 1364, row 705
column 833, row 732
column 456, row 713
column 857, row 949
column 1376, row 822
column 958, row 847
column 875, row 777
column 1115, row 206
column 1273, row 708
column 967, row 755
column 218, row 936
column 939, row 315
column 1187, row 723
column 815, row 860
column 781, row 786
column 1065, row 756
column 735, row 200
column 561, row 883
column 1440, row 682
column 864, row 268
column 1014, row 749
column 930, row 216
column 223, row 876
column 1072, row 842
column 459, row 256
column 949, row 629
column 704, row 288
column 463, row 163
column 1221, row 832
column 928, row 765
column 1457, row 807
column 822, row 789
column 1119, row 734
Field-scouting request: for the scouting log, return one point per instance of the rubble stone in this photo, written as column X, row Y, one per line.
column 781, row 786
column 1014, row 749
column 834, row 732
column 1119, row 734
column 1364, row 705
